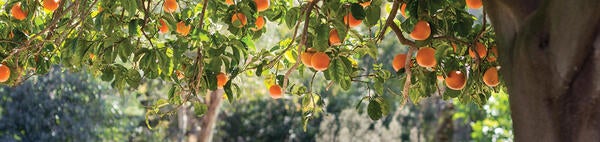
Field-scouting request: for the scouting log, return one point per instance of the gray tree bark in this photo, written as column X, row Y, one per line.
column 208, row 123
column 550, row 57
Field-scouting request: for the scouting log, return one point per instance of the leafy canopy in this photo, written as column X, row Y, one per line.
column 120, row 42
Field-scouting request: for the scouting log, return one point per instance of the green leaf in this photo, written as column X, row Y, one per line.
column 357, row 11
column 373, row 14
column 372, row 51
column 130, row 6
column 309, row 102
column 292, row 16
column 107, row 74
column 374, row 110
column 133, row 78
column 133, row 26
column 200, row 109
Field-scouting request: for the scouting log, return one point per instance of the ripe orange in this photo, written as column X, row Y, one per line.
column 221, row 79
column 454, row 47
column 320, row 61
column 365, row 4
column 92, row 56
column 163, row 27
column 492, row 57
column 183, row 29
column 170, row 6
column 456, row 80
column 403, row 10
column 179, row 74
column 51, row 5
column 17, row 12
column 399, row 62
column 307, row 56
column 4, row 73
column 260, row 23
column 474, row 4
column 334, row 38
column 229, row 2
column 490, row 77
column 426, row 57
column 480, row 48
column 421, row 31
column 275, row 91
column 351, row 21
column 239, row 17
column 261, row 5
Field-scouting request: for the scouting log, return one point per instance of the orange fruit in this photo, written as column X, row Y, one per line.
column 456, row 80
column 221, row 79
column 403, row 9
column 4, row 73
column 229, row 2
column 421, row 31
column 183, row 29
column 261, row 5
column 306, row 57
column 17, row 12
column 474, row 4
column 170, row 6
column 320, row 61
column 334, row 38
column 480, row 48
column 92, row 56
column 275, row 91
column 490, row 77
column 239, row 17
column 260, row 23
column 426, row 57
column 179, row 74
column 399, row 62
column 365, row 4
column 163, row 27
column 492, row 57
column 51, row 5
column 351, row 21
column 454, row 47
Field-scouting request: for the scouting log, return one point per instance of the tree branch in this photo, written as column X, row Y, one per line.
column 199, row 57
column 302, row 43
column 401, row 37
column 412, row 48
column 390, row 19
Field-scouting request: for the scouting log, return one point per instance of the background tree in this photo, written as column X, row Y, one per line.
column 69, row 107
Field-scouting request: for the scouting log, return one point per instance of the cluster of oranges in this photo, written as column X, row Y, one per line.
column 18, row 13
column 170, row 6
column 456, row 79
column 239, row 19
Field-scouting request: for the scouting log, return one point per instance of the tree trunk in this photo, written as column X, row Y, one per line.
column 550, row 57
column 216, row 98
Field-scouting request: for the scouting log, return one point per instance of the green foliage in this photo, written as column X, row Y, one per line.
column 118, row 41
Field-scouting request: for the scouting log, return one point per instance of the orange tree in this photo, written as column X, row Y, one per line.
column 200, row 45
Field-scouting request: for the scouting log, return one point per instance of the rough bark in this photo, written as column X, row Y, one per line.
column 216, row 98
column 549, row 52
